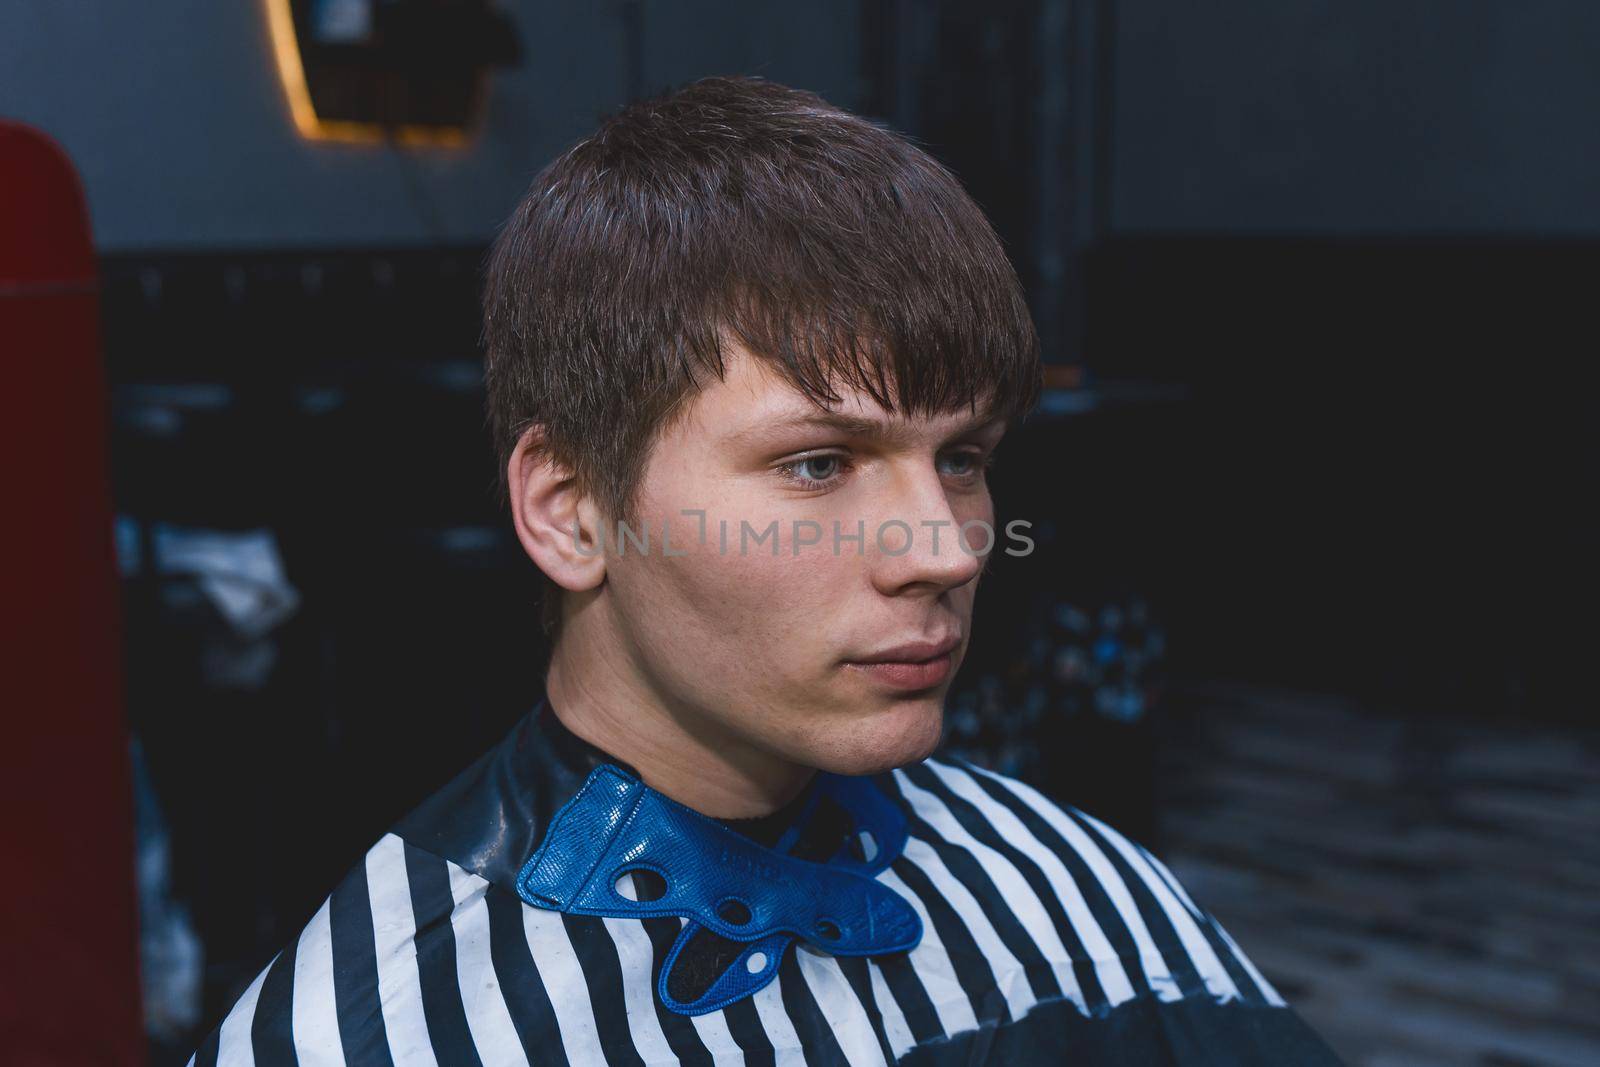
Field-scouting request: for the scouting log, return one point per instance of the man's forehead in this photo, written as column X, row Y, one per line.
column 869, row 420
column 755, row 401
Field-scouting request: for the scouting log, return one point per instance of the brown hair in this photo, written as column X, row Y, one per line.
column 736, row 207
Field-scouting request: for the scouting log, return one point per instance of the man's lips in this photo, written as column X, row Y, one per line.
column 912, row 651
column 910, row 666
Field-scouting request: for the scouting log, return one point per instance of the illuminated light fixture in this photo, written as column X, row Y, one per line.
column 411, row 72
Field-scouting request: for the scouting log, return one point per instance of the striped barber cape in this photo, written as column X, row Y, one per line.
column 1048, row 937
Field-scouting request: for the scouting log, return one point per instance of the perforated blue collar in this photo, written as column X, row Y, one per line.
column 724, row 882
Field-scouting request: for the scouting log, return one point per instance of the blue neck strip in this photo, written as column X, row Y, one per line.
column 615, row 824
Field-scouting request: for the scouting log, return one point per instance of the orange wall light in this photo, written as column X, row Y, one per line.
column 292, row 73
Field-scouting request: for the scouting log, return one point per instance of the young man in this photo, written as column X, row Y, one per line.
column 749, row 357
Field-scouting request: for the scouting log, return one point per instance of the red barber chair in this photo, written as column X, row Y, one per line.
column 69, row 972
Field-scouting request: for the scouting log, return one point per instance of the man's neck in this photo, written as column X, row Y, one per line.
column 686, row 756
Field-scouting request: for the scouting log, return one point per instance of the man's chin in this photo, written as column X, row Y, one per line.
column 900, row 739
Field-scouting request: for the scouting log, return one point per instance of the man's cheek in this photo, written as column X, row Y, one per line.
column 720, row 586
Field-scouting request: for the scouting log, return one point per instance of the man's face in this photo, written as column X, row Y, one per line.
column 759, row 631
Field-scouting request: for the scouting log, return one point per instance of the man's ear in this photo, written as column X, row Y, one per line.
column 546, row 506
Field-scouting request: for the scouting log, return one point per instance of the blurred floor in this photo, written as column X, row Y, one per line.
column 1424, row 891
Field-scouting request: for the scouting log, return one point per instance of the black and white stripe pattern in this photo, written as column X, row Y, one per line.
column 415, row 961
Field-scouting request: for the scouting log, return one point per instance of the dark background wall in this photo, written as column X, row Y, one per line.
column 1301, row 116
column 185, row 140
column 1360, row 117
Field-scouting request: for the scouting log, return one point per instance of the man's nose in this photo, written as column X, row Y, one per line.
column 919, row 541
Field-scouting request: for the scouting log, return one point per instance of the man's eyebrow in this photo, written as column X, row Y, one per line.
column 853, row 425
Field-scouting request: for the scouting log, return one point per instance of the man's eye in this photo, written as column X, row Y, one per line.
column 813, row 471
column 966, row 464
